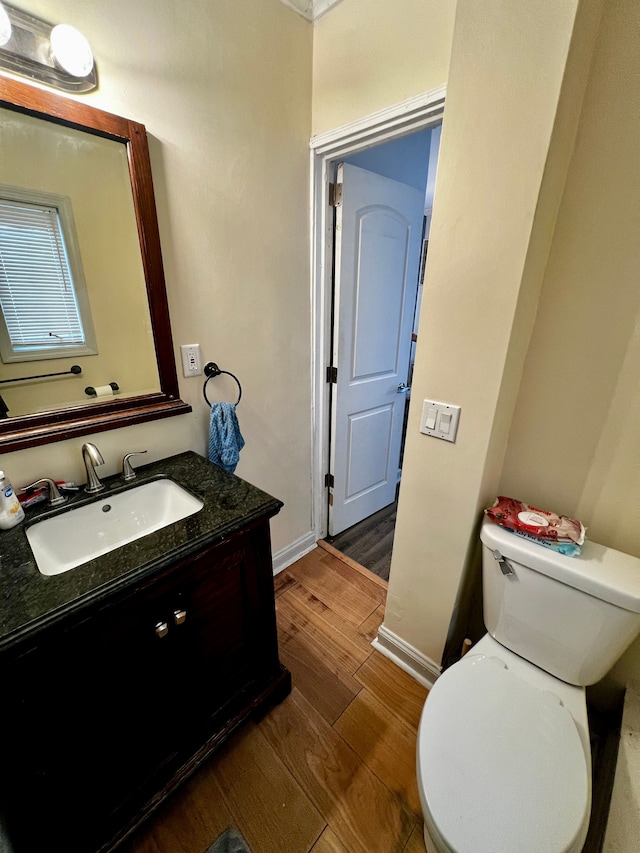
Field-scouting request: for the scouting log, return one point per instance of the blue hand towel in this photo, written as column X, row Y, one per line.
column 225, row 439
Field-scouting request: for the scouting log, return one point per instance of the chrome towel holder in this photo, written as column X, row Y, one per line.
column 212, row 370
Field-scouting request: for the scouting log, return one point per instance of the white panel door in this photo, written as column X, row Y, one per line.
column 377, row 253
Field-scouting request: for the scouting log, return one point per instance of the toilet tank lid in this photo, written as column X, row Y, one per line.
column 599, row 571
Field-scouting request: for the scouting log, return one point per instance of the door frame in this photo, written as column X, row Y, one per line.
column 418, row 113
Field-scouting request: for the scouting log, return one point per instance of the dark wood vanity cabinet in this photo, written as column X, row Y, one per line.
column 108, row 710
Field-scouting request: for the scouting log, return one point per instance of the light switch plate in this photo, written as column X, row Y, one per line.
column 440, row 420
column 191, row 360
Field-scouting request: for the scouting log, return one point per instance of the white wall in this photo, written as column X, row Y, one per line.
column 434, row 151
column 405, row 159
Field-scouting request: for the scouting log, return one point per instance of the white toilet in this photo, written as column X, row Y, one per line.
column 503, row 755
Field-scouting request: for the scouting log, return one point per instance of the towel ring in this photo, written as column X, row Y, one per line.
column 212, row 370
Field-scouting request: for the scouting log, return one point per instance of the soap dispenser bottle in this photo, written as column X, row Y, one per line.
column 11, row 513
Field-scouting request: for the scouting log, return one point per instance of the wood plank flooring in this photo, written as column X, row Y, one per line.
column 332, row 768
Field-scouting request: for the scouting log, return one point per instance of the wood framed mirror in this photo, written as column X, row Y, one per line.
column 100, row 162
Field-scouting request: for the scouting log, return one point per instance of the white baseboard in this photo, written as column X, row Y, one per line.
column 407, row 657
column 293, row 552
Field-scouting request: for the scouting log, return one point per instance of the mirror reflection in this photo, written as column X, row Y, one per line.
column 91, row 173
column 59, row 155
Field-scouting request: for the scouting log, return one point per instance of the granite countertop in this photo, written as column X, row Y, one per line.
column 30, row 601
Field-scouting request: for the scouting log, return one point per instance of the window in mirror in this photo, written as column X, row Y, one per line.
column 45, row 310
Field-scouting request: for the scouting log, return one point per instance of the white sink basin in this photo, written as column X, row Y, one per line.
column 81, row 534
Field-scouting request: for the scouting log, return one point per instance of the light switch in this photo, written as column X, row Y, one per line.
column 440, row 420
column 445, row 423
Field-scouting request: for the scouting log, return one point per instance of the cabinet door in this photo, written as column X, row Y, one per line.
column 93, row 719
column 227, row 642
column 104, row 711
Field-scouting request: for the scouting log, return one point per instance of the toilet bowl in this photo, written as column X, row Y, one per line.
column 503, row 752
column 501, row 739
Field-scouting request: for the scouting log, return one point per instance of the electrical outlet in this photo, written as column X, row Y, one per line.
column 191, row 360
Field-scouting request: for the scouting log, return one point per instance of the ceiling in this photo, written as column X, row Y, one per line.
column 310, row 9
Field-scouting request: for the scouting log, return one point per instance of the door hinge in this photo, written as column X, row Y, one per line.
column 332, row 374
column 335, row 194
column 328, row 481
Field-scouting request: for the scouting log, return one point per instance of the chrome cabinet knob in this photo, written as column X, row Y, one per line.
column 179, row 616
column 162, row 629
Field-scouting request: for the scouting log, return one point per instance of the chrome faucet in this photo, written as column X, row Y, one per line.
column 55, row 498
column 128, row 472
column 91, row 456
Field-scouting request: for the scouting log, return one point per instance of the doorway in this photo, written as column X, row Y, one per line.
column 377, row 239
column 407, row 158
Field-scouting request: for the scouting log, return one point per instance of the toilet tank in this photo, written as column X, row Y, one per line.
column 571, row 616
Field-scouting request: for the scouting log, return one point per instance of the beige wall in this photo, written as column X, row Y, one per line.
column 506, row 233
column 515, row 80
column 224, row 90
column 226, row 101
column 503, row 158
column 575, row 440
column 366, row 58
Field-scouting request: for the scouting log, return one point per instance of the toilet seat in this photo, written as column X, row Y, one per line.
column 501, row 765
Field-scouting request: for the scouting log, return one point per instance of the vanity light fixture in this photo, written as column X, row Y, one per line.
column 71, row 51
column 56, row 55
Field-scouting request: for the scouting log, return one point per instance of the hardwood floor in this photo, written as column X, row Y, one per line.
column 332, row 768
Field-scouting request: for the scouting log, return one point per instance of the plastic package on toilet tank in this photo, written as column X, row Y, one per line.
column 558, row 532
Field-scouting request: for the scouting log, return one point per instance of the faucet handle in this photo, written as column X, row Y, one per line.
column 127, row 469
column 91, row 457
column 55, row 498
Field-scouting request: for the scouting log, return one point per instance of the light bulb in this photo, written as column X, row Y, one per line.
column 5, row 26
column 71, row 50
